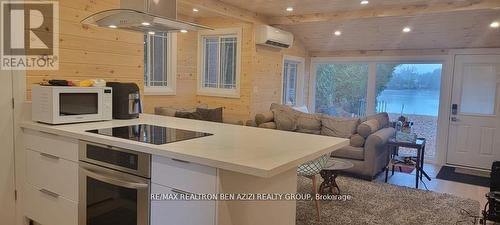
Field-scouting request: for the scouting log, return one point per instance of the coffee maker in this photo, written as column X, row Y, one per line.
column 126, row 100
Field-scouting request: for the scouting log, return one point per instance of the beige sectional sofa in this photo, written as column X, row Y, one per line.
column 367, row 135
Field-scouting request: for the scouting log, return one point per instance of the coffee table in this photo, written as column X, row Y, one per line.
column 330, row 173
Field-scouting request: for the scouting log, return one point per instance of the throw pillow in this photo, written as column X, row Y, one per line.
column 357, row 141
column 338, row 127
column 214, row 115
column 188, row 115
column 285, row 119
column 264, row 117
column 368, row 127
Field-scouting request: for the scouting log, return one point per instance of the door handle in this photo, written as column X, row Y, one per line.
column 49, row 156
column 179, row 192
column 114, row 180
column 454, row 119
column 50, row 193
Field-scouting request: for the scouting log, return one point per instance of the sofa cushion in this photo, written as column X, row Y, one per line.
column 357, row 140
column 350, row 152
column 268, row 125
column 213, row 115
column 170, row 110
column 309, row 123
column 338, row 127
column 264, row 117
column 284, row 117
column 165, row 111
column 368, row 127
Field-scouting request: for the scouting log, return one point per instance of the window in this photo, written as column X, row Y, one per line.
column 341, row 89
column 219, row 59
column 293, row 76
column 350, row 87
column 159, row 64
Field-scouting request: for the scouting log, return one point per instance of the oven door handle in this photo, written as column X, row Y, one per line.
column 114, row 180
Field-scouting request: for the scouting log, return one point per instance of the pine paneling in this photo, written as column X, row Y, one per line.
column 261, row 74
column 89, row 52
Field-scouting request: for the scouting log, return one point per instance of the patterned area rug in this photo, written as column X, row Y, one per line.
column 381, row 203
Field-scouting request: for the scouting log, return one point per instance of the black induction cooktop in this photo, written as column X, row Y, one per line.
column 150, row 134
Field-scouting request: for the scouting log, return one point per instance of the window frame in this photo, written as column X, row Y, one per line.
column 170, row 88
column 300, row 82
column 219, row 92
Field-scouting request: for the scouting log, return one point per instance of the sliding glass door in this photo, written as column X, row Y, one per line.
column 400, row 89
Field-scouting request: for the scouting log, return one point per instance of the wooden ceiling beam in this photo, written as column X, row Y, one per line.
column 388, row 11
column 226, row 10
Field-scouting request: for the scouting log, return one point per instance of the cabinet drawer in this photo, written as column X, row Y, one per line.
column 54, row 174
column 66, row 148
column 48, row 209
column 180, row 212
column 184, row 176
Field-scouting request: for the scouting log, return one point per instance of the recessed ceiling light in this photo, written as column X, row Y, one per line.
column 289, row 9
column 365, row 2
column 495, row 24
column 145, row 23
column 337, row 33
column 195, row 10
column 151, row 32
column 112, row 26
column 184, row 31
column 406, row 29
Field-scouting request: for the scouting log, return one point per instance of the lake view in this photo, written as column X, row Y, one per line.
column 415, row 101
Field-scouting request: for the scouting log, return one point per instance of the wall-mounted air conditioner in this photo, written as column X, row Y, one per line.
column 274, row 37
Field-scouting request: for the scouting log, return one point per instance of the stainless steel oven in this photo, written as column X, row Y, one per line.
column 114, row 186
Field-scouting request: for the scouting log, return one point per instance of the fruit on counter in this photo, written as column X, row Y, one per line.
column 86, row 83
column 83, row 83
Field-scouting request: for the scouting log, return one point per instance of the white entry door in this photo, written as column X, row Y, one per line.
column 474, row 132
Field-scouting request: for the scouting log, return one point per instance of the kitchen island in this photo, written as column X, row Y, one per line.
column 235, row 159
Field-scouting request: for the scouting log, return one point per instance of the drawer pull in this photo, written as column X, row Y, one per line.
column 181, row 161
column 50, row 193
column 45, row 132
column 177, row 191
column 49, row 156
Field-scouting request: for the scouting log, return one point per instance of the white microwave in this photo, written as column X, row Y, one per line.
column 60, row 105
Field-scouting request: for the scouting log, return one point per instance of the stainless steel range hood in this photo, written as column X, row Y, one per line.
column 148, row 16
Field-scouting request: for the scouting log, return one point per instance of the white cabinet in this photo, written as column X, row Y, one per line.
column 50, row 190
column 52, row 173
column 180, row 212
column 49, row 208
column 63, row 147
column 184, row 176
column 170, row 176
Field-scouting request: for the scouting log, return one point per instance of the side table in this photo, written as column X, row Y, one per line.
column 419, row 146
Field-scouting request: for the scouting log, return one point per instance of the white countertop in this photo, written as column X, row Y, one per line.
column 249, row 150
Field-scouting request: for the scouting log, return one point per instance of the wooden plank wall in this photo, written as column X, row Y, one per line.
column 261, row 74
column 89, row 52
column 268, row 75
